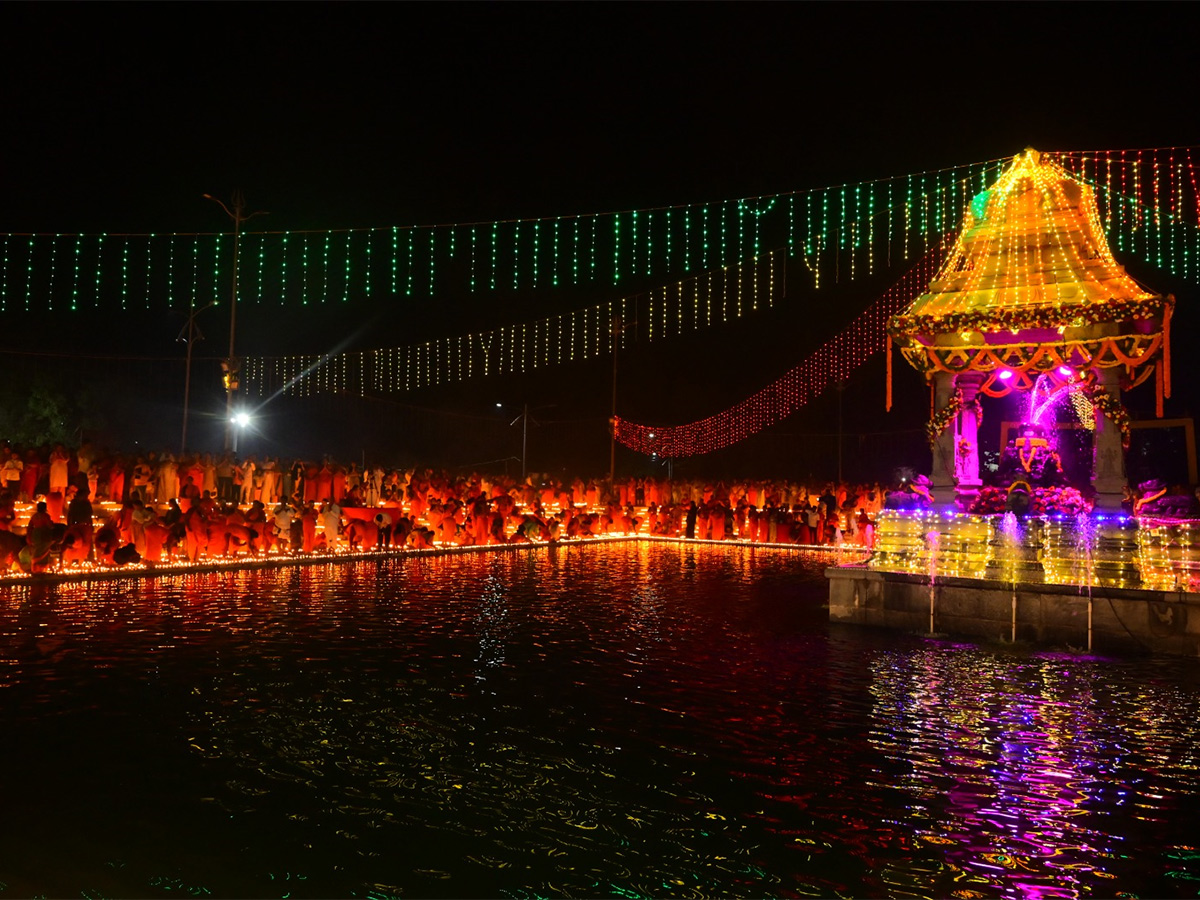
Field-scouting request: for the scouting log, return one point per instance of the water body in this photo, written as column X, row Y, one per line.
column 595, row 721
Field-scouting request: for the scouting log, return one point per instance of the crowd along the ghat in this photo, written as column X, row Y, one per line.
column 65, row 508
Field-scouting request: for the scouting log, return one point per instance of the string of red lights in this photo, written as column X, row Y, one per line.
column 1148, row 201
column 831, row 363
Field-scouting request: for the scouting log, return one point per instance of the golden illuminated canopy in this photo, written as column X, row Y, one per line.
column 1031, row 285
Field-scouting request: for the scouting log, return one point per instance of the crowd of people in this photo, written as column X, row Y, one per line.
column 61, row 506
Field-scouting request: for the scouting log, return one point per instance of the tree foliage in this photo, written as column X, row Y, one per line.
column 42, row 412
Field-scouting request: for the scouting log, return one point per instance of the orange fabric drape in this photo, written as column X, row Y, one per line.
column 887, row 349
column 1158, row 389
column 1166, row 345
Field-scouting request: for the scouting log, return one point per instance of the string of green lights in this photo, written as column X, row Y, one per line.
column 1149, row 201
column 1163, row 237
column 840, row 232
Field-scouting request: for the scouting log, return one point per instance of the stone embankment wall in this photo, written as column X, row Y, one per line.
column 1122, row 621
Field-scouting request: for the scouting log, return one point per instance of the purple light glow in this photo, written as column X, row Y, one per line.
column 1064, row 371
column 1005, row 375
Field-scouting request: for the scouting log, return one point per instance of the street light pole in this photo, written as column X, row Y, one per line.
column 193, row 334
column 524, row 418
column 524, row 437
column 238, row 214
column 841, row 389
column 612, row 422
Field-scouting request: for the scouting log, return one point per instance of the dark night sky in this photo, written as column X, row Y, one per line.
column 119, row 116
column 343, row 115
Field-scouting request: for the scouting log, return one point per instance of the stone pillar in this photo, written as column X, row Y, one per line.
column 942, row 471
column 966, row 453
column 1108, row 460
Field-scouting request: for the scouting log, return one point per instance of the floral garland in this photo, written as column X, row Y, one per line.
column 1014, row 319
column 1109, row 406
column 942, row 418
column 1042, row 501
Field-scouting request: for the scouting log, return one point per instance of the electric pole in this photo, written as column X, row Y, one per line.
column 230, row 365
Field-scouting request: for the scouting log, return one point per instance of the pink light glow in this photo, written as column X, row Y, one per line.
column 1005, row 374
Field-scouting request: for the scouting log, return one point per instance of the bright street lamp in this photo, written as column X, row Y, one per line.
column 240, row 420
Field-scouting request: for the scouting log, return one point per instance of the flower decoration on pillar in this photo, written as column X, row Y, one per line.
column 1109, row 406
column 942, row 418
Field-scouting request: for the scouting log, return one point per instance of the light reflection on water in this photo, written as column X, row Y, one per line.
column 630, row 720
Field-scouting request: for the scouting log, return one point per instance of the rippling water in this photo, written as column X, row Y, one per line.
column 615, row 721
